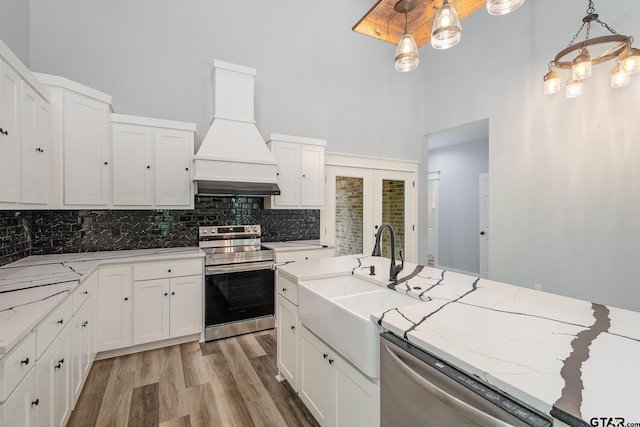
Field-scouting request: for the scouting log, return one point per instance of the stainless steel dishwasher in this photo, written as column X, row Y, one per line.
column 417, row 389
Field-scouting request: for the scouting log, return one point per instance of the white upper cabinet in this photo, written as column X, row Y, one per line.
column 152, row 162
column 300, row 172
column 9, row 134
column 36, row 148
column 86, row 150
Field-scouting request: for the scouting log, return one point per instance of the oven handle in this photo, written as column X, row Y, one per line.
column 235, row 268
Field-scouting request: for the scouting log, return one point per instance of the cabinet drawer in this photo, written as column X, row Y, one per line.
column 84, row 291
column 167, row 269
column 287, row 289
column 16, row 364
column 303, row 255
column 52, row 325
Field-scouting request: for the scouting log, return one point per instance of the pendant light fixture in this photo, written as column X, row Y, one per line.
column 613, row 46
column 446, row 30
column 407, row 56
column 502, row 7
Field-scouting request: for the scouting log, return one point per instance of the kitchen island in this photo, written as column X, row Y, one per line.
column 571, row 359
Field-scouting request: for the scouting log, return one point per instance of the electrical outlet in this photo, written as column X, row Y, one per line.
column 537, row 287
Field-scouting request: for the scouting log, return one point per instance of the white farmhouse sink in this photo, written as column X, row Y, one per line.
column 337, row 310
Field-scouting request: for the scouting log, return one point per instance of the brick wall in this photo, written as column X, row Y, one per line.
column 349, row 214
column 393, row 199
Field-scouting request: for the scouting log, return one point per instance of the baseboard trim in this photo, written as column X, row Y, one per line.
column 147, row 346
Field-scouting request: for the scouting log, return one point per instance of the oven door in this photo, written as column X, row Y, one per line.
column 239, row 292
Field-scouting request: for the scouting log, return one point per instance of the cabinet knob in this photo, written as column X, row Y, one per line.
column 25, row 361
column 4, row 132
column 126, row 298
column 60, row 322
column 61, row 361
column 284, row 289
column 325, row 355
column 186, row 169
column 304, row 176
column 173, row 293
column 85, row 323
column 106, row 163
column 277, row 173
column 306, row 257
column 58, row 366
column 169, row 270
column 36, row 402
column 330, row 361
column 39, row 150
column 166, row 293
column 293, row 327
column 85, row 292
column 148, row 167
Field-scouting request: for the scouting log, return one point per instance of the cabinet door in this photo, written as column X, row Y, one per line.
column 86, row 150
column 53, row 382
column 316, row 382
column 287, row 156
column 114, row 310
column 186, row 305
column 10, row 134
column 36, row 153
column 150, row 310
column 21, row 408
column 132, row 165
column 287, row 315
column 173, row 152
column 357, row 398
column 312, row 176
column 80, row 348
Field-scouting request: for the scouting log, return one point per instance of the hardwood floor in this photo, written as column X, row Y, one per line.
column 229, row 382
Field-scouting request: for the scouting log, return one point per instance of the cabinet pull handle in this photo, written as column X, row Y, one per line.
column 325, row 355
column 4, row 132
column 36, row 402
column 25, row 361
column 60, row 322
column 293, row 327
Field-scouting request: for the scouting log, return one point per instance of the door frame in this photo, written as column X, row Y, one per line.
column 371, row 169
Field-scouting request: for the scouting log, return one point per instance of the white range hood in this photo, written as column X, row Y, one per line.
column 233, row 158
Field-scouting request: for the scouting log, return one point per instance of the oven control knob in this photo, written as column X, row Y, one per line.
column 255, row 228
column 204, row 231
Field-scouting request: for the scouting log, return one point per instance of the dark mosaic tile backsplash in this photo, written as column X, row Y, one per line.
column 47, row 232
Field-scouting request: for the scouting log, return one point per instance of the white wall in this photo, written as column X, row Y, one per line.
column 14, row 27
column 458, row 211
column 565, row 182
column 315, row 77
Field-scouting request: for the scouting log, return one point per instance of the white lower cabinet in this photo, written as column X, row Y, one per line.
column 166, row 308
column 287, row 315
column 21, row 408
column 53, row 369
column 114, row 309
column 82, row 347
column 336, row 393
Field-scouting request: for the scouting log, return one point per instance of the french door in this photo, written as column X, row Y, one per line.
column 359, row 200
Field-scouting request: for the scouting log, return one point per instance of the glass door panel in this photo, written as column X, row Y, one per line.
column 349, row 215
column 393, row 212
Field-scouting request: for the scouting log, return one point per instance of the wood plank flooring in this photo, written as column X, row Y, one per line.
column 229, row 382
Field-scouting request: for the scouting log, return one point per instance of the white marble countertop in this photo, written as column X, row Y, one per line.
column 296, row 245
column 570, row 358
column 32, row 287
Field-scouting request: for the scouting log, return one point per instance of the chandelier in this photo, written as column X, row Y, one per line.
column 612, row 46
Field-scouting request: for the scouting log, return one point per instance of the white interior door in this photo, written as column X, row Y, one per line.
column 432, row 218
column 347, row 217
column 484, row 224
column 394, row 202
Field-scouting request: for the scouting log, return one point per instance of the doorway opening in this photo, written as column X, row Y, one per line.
column 457, row 162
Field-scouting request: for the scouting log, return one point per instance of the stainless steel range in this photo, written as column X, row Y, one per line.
column 239, row 281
